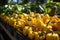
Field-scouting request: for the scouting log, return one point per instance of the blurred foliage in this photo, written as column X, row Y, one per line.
column 27, row 7
column 48, row 6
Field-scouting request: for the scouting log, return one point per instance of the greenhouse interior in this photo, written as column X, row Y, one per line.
column 29, row 19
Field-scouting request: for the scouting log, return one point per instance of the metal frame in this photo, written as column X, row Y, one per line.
column 8, row 33
column 11, row 32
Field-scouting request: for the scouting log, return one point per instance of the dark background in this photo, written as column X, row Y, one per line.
column 56, row 0
column 3, row 2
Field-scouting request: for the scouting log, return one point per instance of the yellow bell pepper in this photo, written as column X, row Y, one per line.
column 51, row 36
